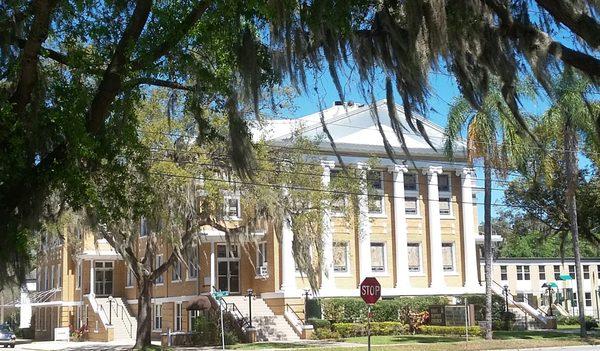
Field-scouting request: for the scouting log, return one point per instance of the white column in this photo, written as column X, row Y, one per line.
column 435, row 227
column 400, row 228
column 213, row 273
column 364, row 226
column 92, row 277
column 327, row 278
column 288, row 267
column 470, row 260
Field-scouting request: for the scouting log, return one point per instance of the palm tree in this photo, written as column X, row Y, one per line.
column 571, row 116
column 493, row 137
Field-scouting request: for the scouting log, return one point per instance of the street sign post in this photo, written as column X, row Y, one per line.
column 370, row 292
column 219, row 295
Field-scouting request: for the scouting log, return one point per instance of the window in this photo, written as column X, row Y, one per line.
column 375, row 190
column 410, row 206
column 586, row 272
column 227, row 251
column 542, row 271
column 176, row 272
column 445, row 206
column 59, row 276
column 377, row 257
column 414, row 257
column 157, row 316
column 556, row 272
column 46, row 278
column 193, row 266
column 410, row 182
column 574, row 299
column 78, row 275
column 129, row 277
column 52, row 277
column 261, row 259
column 588, row 299
column 232, row 207
column 338, row 199
column 503, row 273
column 598, row 271
column 178, row 311
column 448, row 257
column 340, row 257
column 192, row 319
column 443, row 182
column 159, row 261
column 144, row 227
column 523, row 273
column 572, row 272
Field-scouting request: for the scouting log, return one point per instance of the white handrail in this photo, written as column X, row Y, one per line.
column 95, row 307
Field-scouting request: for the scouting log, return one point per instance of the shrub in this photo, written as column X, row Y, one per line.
column 319, row 323
column 325, row 334
column 206, row 331
column 313, row 309
column 347, row 330
column 478, row 301
column 590, row 323
column 567, row 320
column 450, row 330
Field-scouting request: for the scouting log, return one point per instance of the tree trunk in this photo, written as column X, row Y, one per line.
column 487, row 246
column 144, row 317
column 570, row 145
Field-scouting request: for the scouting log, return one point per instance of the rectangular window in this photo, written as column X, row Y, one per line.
column 144, row 227
column 59, row 276
column 193, row 266
column 598, row 271
column 232, row 207
column 129, row 277
column 262, row 264
column 443, row 182
column 556, row 272
column 46, row 278
column 410, row 182
column 78, row 275
column 523, row 273
column 176, row 272
column 414, row 257
column 445, row 206
column 157, row 316
column 572, row 272
column 448, row 257
column 159, row 261
column 410, row 206
column 338, row 198
column 588, row 299
column 377, row 257
column 227, row 251
column 503, row 273
column 52, row 277
column 375, row 191
column 178, row 312
column 542, row 271
column 586, row 272
column 340, row 257
column 192, row 319
column 574, row 300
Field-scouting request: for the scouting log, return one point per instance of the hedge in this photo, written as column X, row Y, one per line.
column 354, row 310
column 346, row 330
column 450, row 330
column 319, row 323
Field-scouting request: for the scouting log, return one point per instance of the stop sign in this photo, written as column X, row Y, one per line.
column 370, row 290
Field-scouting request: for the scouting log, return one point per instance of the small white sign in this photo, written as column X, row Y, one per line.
column 61, row 334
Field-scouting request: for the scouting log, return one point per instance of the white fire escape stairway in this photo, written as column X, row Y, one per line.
column 527, row 317
column 125, row 325
column 269, row 326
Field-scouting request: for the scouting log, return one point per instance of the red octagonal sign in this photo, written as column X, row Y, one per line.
column 370, row 290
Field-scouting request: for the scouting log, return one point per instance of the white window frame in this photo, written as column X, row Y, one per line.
column 378, row 193
column 193, row 266
column 178, row 317
column 157, row 317
column 446, row 195
column 129, row 279
column 420, row 248
column 573, row 273
column 586, row 271
column 412, row 193
column 176, row 271
column 143, row 227
column 556, row 273
column 59, row 276
column 262, row 247
column 542, row 270
column 384, row 272
column 192, row 315
column 505, row 273
column 160, row 280
column 332, row 174
column 52, row 277
column 453, row 247
column 78, row 276
column 586, row 300
column 226, row 199
column 523, row 273
column 345, row 272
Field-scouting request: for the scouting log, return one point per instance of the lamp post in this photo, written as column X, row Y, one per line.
column 505, row 292
column 110, row 301
column 250, row 294
column 549, row 288
column 306, row 294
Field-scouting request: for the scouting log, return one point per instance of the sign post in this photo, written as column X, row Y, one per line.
column 370, row 292
column 218, row 295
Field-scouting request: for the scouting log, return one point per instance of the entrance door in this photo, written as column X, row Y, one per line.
column 228, row 268
column 103, row 278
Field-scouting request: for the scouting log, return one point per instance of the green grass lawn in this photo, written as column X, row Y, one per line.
column 568, row 326
column 404, row 339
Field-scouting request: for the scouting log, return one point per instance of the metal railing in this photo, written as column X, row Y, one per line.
column 237, row 314
column 126, row 319
column 515, row 300
column 296, row 316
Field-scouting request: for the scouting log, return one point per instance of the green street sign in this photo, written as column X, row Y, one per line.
column 220, row 294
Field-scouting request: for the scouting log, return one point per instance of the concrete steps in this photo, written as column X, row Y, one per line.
column 270, row 327
column 123, row 330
